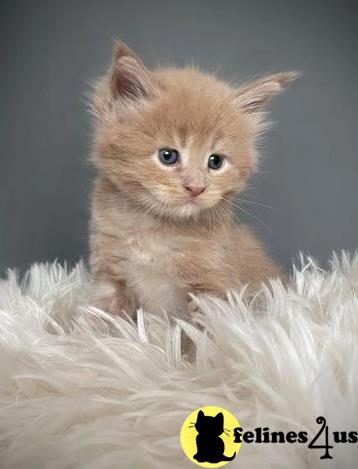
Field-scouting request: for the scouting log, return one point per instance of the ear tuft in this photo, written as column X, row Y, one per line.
column 128, row 77
column 254, row 96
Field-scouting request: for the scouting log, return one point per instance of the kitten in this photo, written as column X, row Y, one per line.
column 172, row 148
column 209, row 444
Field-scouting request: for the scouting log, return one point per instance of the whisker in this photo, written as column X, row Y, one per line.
column 256, row 203
column 255, row 218
column 236, row 205
column 223, row 209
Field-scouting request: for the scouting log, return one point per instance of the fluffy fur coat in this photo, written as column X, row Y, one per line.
column 81, row 389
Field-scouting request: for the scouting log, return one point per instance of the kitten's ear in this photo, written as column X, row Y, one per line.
column 128, row 76
column 200, row 415
column 219, row 418
column 254, row 96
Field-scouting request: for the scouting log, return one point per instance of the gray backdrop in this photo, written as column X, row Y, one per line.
column 50, row 50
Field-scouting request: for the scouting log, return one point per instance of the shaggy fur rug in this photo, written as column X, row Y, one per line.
column 81, row 389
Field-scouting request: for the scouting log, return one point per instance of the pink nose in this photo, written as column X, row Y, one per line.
column 193, row 190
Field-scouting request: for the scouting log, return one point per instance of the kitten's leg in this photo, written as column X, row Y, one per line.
column 109, row 289
column 112, row 295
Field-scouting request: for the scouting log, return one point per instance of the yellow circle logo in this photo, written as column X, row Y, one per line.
column 208, row 438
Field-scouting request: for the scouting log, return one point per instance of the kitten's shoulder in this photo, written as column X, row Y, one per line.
column 256, row 265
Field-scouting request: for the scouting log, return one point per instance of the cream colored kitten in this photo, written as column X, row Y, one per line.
column 172, row 148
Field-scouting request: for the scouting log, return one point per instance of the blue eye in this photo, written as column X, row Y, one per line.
column 168, row 156
column 215, row 161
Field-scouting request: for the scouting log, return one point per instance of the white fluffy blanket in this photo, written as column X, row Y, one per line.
column 80, row 389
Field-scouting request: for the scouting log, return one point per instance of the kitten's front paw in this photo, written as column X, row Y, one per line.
column 112, row 298
column 109, row 305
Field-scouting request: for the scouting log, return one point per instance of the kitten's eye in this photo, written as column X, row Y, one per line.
column 215, row 161
column 168, row 156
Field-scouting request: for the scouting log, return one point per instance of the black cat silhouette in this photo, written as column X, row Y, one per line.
column 210, row 447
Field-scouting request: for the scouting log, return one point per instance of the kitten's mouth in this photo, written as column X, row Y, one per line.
column 185, row 202
column 186, row 207
column 192, row 199
column 192, row 202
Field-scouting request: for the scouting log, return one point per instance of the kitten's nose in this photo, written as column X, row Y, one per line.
column 194, row 190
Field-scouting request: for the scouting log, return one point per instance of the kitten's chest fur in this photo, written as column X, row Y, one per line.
column 164, row 262
column 151, row 260
column 158, row 261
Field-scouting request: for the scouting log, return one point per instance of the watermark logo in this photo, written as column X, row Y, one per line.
column 208, row 437
column 212, row 437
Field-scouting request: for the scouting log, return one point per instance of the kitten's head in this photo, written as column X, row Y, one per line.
column 207, row 425
column 178, row 142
